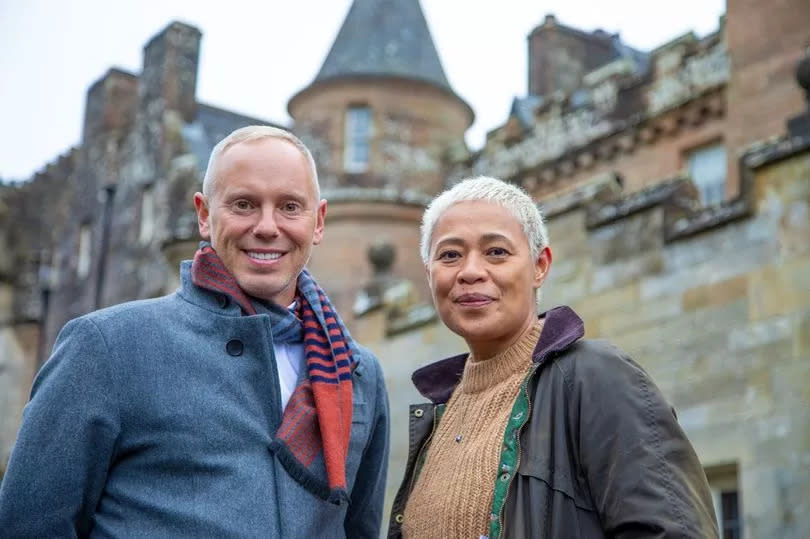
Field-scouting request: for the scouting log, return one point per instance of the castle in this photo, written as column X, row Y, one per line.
column 676, row 183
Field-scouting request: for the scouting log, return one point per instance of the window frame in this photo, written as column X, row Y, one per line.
column 358, row 128
column 148, row 214
column 711, row 190
column 84, row 250
column 724, row 480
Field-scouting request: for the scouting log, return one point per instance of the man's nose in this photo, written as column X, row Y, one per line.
column 266, row 226
column 472, row 268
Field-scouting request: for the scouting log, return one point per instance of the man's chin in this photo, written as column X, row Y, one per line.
column 274, row 291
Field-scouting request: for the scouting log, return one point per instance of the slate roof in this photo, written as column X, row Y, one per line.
column 212, row 124
column 384, row 38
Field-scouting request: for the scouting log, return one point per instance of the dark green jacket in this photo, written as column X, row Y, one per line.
column 591, row 448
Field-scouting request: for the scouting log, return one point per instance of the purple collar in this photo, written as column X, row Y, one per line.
column 562, row 328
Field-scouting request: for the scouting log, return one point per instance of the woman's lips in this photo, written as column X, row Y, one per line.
column 473, row 300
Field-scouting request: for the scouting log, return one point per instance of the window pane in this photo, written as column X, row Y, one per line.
column 707, row 167
column 83, row 266
column 357, row 139
column 147, row 215
column 730, row 515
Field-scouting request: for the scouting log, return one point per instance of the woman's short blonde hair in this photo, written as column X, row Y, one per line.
column 514, row 199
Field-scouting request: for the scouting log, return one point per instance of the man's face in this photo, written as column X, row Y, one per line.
column 482, row 275
column 263, row 216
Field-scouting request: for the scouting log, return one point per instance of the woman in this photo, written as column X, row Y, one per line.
column 536, row 432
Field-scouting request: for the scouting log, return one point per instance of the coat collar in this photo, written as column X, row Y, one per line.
column 207, row 299
column 562, row 328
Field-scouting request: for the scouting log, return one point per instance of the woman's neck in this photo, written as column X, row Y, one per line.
column 483, row 350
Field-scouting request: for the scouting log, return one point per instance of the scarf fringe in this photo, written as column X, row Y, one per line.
column 304, row 477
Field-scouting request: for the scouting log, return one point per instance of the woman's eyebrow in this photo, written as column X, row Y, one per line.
column 449, row 241
column 495, row 236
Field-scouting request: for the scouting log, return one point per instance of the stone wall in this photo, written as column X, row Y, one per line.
column 18, row 363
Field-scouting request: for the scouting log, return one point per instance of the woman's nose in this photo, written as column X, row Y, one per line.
column 472, row 269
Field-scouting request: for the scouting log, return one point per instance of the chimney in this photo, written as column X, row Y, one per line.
column 559, row 56
column 170, row 62
column 110, row 104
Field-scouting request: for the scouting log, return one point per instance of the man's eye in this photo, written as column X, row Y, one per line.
column 242, row 205
column 497, row 251
column 291, row 207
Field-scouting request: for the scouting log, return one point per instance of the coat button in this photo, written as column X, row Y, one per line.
column 505, row 477
column 399, row 518
column 235, row 347
column 222, row 300
column 418, row 412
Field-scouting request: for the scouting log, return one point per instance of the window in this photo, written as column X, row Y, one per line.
column 707, row 167
column 83, row 265
column 357, row 139
column 729, row 515
column 147, row 228
column 726, row 497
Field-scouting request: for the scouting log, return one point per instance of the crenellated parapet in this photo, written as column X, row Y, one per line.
column 620, row 108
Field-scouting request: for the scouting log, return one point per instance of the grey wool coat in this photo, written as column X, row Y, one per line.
column 153, row 419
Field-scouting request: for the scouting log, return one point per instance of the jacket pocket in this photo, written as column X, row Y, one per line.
column 557, row 479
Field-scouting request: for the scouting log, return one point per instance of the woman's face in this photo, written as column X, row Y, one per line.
column 482, row 275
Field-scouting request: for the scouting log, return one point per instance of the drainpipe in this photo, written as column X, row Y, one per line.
column 106, row 223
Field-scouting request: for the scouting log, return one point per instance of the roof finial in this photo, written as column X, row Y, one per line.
column 800, row 125
column 803, row 75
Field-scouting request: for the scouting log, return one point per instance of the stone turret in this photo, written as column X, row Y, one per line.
column 381, row 112
column 383, row 123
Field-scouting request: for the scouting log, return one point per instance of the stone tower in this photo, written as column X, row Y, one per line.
column 383, row 124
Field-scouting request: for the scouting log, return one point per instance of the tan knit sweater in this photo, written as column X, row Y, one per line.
column 453, row 495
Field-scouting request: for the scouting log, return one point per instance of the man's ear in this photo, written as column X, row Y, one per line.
column 541, row 266
column 203, row 215
column 320, row 221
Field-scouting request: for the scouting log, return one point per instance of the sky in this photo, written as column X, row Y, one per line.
column 256, row 54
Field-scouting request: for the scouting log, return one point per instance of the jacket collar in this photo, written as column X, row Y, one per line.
column 562, row 328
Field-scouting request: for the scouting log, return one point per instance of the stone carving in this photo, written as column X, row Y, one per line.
column 397, row 296
column 698, row 74
column 552, row 137
column 401, row 155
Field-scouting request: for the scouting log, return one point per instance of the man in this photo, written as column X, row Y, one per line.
column 238, row 406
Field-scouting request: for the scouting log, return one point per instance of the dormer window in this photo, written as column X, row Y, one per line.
column 357, row 139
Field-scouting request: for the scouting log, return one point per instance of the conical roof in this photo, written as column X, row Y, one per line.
column 384, row 38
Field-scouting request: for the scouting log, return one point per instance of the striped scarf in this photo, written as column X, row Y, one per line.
column 318, row 416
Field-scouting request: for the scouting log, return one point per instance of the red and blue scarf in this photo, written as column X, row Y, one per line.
column 318, row 416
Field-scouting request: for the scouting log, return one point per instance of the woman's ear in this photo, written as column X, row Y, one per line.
column 542, row 266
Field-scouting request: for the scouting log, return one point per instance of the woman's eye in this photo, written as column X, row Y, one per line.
column 447, row 255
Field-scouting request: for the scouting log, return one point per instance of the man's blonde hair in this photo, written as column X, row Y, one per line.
column 253, row 133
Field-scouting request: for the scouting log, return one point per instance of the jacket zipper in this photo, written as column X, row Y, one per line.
column 519, row 449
